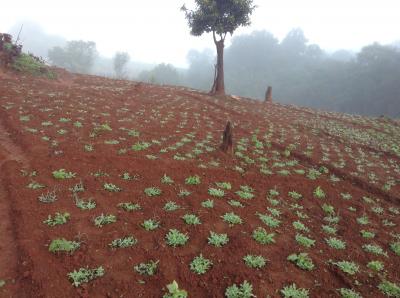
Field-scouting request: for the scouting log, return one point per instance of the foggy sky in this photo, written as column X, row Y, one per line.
column 156, row 31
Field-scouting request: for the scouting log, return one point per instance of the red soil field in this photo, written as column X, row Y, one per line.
column 90, row 125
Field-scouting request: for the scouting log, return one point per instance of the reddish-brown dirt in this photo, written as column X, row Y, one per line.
column 34, row 138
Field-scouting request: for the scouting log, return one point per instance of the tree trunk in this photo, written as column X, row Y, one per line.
column 219, row 81
column 268, row 94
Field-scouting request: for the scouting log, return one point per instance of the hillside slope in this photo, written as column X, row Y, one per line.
column 299, row 181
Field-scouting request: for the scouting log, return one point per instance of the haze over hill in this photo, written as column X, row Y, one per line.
column 300, row 49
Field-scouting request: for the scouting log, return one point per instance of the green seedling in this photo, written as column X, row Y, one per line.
column 59, row 219
column 63, row 245
column 254, row 261
column 62, row 174
column 85, row 275
column 218, row 240
column 149, row 268
column 123, row 242
column 200, row 265
column 175, row 238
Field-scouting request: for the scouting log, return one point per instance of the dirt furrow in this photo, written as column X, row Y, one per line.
column 12, row 260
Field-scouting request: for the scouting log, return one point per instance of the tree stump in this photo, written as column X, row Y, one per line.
column 268, row 94
column 227, row 143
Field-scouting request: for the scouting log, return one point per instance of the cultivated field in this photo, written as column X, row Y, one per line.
column 116, row 189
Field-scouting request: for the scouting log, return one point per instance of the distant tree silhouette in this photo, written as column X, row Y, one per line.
column 199, row 73
column 303, row 74
column 119, row 61
column 163, row 73
column 77, row 56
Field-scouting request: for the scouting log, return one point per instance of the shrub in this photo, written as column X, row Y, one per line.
column 30, row 64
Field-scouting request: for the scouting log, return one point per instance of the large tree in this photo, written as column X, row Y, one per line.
column 219, row 17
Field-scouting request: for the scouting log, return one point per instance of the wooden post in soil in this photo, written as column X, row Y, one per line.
column 227, row 142
column 268, row 95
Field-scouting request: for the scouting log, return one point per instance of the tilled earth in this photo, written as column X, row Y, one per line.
column 289, row 164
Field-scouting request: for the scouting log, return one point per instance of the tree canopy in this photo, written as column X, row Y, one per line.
column 219, row 16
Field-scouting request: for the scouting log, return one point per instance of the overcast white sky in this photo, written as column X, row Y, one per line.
column 156, row 31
